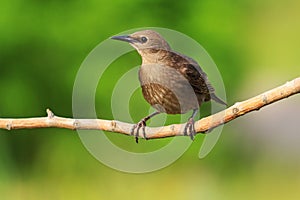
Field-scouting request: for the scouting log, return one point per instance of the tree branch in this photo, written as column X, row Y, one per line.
column 201, row 126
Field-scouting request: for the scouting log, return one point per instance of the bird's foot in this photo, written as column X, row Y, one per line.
column 189, row 128
column 136, row 128
column 141, row 124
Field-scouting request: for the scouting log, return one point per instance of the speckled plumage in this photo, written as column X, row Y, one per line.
column 171, row 82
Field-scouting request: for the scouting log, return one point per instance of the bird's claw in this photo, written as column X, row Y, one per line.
column 137, row 127
column 189, row 128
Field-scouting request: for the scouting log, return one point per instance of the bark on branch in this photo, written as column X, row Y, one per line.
column 201, row 126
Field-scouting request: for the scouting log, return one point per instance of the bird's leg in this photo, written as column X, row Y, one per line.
column 190, row 125
column 142, row 124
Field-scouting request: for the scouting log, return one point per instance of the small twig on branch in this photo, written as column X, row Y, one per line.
column 201, row 126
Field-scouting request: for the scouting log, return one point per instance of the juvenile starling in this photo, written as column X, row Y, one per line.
column 172, row 83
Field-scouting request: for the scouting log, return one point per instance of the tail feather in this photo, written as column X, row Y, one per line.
column 217, row 99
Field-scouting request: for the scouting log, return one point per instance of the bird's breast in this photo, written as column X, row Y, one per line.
column 166, row 89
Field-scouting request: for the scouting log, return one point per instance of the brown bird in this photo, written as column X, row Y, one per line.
column 172, row 83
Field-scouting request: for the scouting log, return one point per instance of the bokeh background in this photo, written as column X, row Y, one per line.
column 256, row 46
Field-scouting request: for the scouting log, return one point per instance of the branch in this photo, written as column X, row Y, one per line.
column 201, row 126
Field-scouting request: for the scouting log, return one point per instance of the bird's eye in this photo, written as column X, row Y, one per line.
column 143, row 39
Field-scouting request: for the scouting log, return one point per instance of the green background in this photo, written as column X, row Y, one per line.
column 256, row 46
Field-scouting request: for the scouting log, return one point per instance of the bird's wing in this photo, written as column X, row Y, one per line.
column 190, row 69
column 197, row 78
column 199, row 81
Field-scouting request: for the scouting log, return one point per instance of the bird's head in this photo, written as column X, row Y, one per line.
column 146, row 39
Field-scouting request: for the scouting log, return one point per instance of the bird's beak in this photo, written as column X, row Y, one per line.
column 125, row 38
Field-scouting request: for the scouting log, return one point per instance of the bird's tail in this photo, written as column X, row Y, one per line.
column 217, row 99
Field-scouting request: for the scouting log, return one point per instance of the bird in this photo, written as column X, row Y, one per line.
column 171, row 82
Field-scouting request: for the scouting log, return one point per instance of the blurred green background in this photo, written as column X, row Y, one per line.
column 256, row 46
